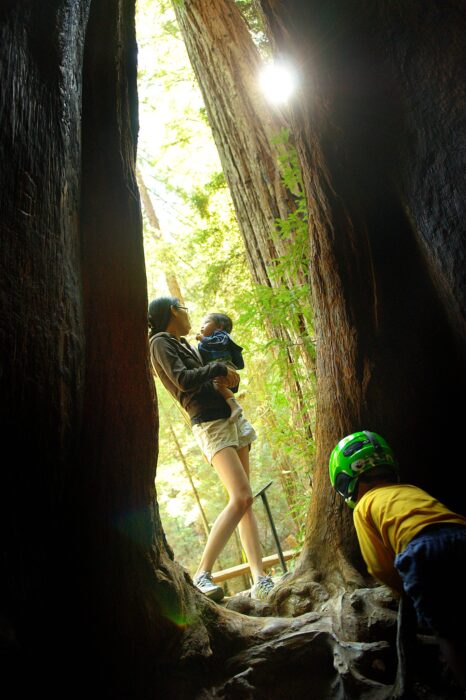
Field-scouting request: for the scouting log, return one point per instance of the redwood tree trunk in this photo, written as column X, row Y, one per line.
column 376, row 121
column 42, row 334
column 89, row 594
column 227, row 65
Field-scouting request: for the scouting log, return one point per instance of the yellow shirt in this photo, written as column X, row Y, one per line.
column 386, row 520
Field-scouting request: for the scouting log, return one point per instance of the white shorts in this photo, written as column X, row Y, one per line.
column 214, row 435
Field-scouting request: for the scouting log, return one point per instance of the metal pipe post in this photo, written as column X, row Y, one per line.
column 262, row 494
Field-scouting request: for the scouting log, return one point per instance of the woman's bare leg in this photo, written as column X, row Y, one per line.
column 231, row 471
column 248, row 530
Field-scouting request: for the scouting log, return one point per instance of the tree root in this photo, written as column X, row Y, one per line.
column 323, row 654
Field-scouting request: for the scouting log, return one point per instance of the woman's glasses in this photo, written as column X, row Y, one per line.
column 185, row 308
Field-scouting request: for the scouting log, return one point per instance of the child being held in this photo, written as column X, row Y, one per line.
column 216, row 345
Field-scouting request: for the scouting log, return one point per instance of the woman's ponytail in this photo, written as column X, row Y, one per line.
column 160, row 314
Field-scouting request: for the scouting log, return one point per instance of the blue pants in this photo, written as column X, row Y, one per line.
column 432, row 569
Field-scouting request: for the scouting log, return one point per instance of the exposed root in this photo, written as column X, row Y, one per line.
column 347, row 649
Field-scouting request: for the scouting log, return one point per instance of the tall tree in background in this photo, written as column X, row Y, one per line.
column 155, row 230
column 227, row 65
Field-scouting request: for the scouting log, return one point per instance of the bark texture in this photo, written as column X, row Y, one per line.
column 227, row 65
column 377, row 126
column 88, row 588
column 42, row 337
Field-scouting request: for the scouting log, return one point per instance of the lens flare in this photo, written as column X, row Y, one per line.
column 278, row 81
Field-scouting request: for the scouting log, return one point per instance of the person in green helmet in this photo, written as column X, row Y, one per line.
column 410, row 541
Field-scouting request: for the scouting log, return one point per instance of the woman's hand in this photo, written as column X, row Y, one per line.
column 231, row 380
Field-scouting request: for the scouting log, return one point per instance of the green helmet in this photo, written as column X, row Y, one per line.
column 355, row 454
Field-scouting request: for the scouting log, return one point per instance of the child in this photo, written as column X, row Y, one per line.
column 216, row 345
column 409, row 540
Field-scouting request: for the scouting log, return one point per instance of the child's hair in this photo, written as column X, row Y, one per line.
column 222, row 320
column 160, row 310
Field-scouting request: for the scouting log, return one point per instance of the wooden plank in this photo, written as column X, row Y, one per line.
column 241, row 569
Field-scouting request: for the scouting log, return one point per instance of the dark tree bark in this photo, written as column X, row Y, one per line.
column 377, row 126
column 88, row 588
column 41, row 331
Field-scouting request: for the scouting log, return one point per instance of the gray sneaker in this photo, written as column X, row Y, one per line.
column 261, row 589
column 206, row 585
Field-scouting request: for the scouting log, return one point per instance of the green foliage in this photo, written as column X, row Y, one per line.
column 289, row 165
column 294, row 264
column 200, row 242
column 255, row 24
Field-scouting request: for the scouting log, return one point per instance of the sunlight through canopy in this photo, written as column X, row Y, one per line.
column 278, row 81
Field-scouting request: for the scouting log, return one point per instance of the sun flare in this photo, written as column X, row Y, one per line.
column 278, row 81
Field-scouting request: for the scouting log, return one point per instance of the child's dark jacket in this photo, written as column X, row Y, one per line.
column 220, row 347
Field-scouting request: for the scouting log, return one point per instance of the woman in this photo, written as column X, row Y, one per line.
column 226, row 445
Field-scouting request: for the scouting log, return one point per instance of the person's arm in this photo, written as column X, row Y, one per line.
column 168, row 359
